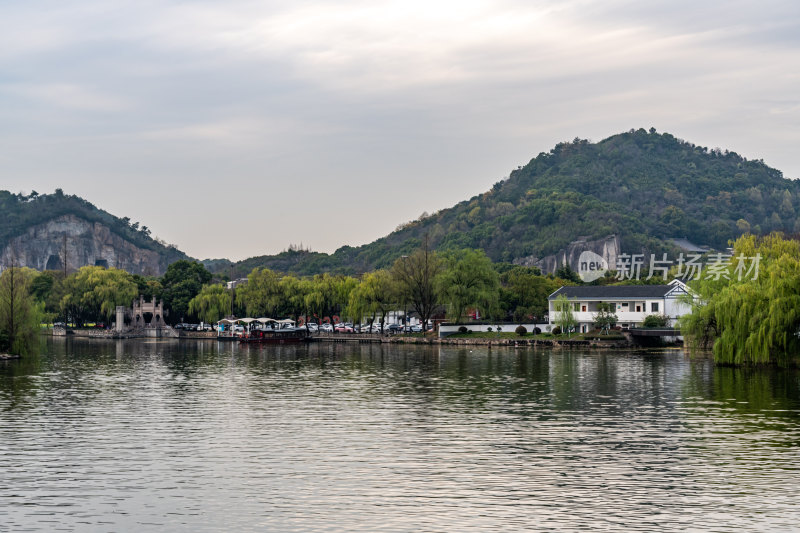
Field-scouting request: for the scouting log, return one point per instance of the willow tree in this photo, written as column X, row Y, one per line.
column 261, row 294
column 320, row 296
column 293, row 291
column 343, row 286
column 468, row 280
column 376, row 295
column 94, row 292
column 212, row 304
column 752, row 316
column 565, row 318
column 20, row 313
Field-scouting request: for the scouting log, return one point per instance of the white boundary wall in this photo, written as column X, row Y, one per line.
column 505, row 327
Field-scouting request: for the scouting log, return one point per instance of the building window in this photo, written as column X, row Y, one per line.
column 638, row 308
column 583, row 308
column 654, row 307
column 576, row 307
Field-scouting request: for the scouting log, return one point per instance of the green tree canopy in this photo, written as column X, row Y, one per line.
column 320, row 298
column 93, row 293
column 212, row 304
column 468, row 280
column 524, row 292
column 182, row 281
column 20, row 313
column 754, row 316
column 376, row 295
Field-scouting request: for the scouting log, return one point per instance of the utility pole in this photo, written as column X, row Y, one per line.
column 233, row 288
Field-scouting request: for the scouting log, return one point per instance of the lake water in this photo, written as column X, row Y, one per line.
column 201, row 436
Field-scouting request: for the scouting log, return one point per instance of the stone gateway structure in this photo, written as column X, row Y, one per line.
column 147, row 314
column 144, row 318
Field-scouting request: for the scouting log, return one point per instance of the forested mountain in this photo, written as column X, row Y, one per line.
column 645, row 187
column 43, row 231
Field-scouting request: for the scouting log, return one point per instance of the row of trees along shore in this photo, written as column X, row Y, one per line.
column 426, row 282
column 744, row 321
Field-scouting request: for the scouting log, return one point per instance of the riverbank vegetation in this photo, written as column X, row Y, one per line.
column 752, row 316
column 20, row 313
column 748, row 317
column 457, row 286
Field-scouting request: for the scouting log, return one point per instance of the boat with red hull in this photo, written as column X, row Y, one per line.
column 276, row 336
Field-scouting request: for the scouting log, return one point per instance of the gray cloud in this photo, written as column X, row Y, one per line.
column 333, row 123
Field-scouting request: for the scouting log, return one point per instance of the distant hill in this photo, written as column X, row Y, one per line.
column 644, row 187
column 42, row 231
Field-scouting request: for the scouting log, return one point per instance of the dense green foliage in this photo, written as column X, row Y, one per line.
column 21, row 212
column 751, row 320
column 182, row 281
column 655, row 321
column 93, row 293
column 643, row 186
column 469, row 280
column 523, row 293
column 211, row 304
column 20, row 312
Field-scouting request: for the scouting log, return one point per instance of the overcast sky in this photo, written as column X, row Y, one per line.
column 235, row 128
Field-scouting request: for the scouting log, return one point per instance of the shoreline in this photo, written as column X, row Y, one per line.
column 346, row 338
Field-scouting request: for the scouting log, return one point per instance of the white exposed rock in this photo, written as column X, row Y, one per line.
column 87, row 243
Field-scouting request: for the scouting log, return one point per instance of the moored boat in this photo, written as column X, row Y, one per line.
column 261, row 330
column 276, row 336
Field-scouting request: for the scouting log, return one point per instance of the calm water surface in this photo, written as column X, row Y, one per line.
column 200, row 436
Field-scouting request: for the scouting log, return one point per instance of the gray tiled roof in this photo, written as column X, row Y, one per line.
column 609, row 292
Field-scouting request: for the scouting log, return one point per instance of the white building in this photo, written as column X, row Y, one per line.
column 632, row 303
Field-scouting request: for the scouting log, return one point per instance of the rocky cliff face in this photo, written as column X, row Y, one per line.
column 607, row 248
column 42, row 247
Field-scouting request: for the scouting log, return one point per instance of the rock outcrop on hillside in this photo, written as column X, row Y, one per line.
column 607, row 248
column 87, row 243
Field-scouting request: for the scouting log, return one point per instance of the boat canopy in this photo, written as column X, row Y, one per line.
column 248, row 320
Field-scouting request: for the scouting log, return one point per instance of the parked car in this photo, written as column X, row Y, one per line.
column 312, row 327
column 343, row 328
column 394, row 328
column 326, row 328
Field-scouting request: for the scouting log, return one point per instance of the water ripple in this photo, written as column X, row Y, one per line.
column 176, row 436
